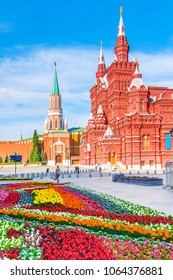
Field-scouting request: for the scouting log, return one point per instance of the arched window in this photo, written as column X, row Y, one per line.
column 146, row 142
column 56, row 124
column 50, row 124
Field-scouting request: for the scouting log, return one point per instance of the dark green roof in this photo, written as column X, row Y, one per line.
column 76, row 129
column 57, row 131
column 55, row 87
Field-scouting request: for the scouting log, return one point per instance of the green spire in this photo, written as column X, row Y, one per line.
column 21, row 138
column 55, row 88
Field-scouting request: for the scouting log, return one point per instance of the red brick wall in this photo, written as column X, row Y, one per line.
column 19, row 147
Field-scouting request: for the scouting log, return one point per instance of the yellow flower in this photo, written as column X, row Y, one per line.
column 47, row 196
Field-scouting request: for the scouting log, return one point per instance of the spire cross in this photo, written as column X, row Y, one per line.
column 137, row 63
column 121, row 11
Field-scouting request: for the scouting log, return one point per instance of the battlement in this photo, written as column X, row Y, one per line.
column 19, row 142
column 122, row 65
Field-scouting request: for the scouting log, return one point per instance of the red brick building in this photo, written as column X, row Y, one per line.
column 129, row 120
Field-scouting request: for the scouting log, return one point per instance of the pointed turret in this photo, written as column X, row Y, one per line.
column 55, row 87
column 101, row 57
column 121, row 29
column 65, row 124
column 109, row 133
column 55, row 113
column 101, row 63
column 137, row 78
column 45, row 125
column 100, row 109
column 21, row 137
column 121, row 48
column 100, row 118
column 91, row 119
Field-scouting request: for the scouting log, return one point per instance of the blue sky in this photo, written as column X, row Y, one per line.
column 35, row 33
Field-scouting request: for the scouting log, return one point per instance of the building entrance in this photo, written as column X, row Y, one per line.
column 58, row 159
column 113, row 158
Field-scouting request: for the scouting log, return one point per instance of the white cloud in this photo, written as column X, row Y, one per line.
column 26, row 82
column 156, row 69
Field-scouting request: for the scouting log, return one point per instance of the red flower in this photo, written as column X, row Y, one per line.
column 26, row 225
column 72, row 245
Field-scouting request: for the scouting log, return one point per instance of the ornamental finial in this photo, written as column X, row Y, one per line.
column 137, row 62
column 121, row 10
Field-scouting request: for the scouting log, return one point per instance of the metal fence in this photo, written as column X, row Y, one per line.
column 169, row 174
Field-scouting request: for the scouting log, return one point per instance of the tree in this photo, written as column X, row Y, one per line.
column 6, row 159
column 1, row 159
column 42, row 155
column 35, row 155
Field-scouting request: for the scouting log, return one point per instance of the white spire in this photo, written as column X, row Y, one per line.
column 45, row 122
column 91, row 116
column 65, row 124
column 121, row 30
column 100, row 109
column 109, row 133
column 136, row 70
column 101, row 57
column 137, row 81
column 45, row 125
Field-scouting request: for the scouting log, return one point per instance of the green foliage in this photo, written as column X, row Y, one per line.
column 1, row 159
column 35, row 155
column 42, row 155
column 6, row 159
column 11, row 163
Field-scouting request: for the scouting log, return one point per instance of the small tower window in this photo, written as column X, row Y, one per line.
column 50, row 124
column 56, row 124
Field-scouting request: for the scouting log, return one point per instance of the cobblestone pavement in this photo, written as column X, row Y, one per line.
column 155, row 197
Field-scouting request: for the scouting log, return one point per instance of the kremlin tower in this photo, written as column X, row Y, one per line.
column 129, row 120
column 54, row 121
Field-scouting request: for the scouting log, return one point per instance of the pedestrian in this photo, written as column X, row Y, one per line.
column 77, row 170
column 100, row 169
column 96, row 166
column 57, row 173
column 47, row 171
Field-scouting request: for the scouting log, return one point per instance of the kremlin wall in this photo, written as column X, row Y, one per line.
column 60, row 144
column 128, row 125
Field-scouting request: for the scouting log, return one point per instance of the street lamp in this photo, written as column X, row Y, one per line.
column 68, row 158
column 171, row 132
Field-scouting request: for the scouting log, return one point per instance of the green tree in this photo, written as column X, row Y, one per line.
column 35, row 155
column 42, row 155
column 1, row 159
column 6, row 159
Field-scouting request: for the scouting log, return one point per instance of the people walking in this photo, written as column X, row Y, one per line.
column 57, row 173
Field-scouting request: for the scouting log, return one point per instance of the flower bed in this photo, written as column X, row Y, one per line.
column 41, row 220
column 14, row 179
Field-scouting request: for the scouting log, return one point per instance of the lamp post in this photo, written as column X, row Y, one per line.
column 68, row 159
column 171, row 132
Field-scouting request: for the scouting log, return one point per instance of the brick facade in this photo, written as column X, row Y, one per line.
column 129, row 120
